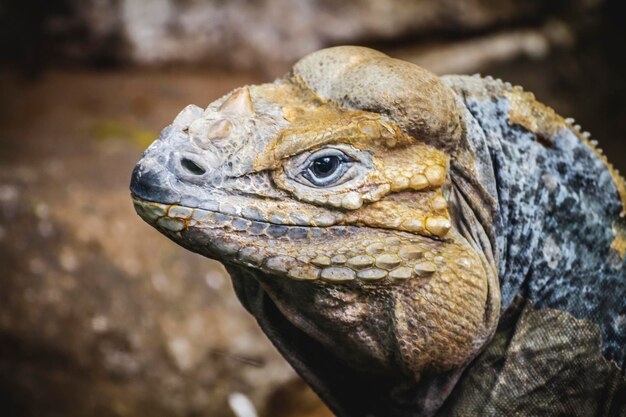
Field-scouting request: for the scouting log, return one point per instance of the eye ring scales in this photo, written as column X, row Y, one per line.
column 326, row 167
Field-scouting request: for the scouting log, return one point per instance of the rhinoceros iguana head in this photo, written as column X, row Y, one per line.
column 331, row 192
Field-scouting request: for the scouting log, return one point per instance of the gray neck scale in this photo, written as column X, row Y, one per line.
column 557, row 205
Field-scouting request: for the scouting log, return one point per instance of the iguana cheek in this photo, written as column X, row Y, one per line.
column 425, row 213
column 415, row 167
column 439, row 324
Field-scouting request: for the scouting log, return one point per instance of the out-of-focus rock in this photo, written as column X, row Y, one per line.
column 270, row 34
column 476, row 53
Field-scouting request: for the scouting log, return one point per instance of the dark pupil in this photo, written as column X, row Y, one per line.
column 325, row 166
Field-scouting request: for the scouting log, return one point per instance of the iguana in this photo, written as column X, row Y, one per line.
column 414, row 245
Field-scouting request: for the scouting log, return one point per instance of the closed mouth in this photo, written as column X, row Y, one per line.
column 176, row 217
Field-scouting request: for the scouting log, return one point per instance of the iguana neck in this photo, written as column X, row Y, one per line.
column 558, row 211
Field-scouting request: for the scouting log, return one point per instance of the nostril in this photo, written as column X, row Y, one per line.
column 192, row 167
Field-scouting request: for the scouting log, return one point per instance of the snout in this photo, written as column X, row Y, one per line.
column 170, row 166
column 152, row 184
column 158, row 178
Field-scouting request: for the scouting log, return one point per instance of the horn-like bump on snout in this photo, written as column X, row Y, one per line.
column 238, row 104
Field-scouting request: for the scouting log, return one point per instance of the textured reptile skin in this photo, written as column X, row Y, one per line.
column 450, row 196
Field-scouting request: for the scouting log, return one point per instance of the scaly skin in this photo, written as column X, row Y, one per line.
column 385, row 273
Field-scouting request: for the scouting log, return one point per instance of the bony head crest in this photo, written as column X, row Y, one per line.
column 413, row 98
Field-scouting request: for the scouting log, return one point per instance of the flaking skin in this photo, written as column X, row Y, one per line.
column 390, row 281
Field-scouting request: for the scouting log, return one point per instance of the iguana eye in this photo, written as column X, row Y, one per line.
column 326, row 167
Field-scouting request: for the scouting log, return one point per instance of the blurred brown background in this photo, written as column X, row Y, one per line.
column 102, row 316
